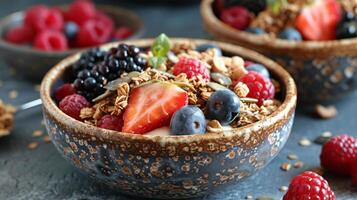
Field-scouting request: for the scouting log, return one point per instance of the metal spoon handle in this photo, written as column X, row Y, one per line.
column 30, row 104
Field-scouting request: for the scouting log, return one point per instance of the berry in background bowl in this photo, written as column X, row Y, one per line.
column 315, row 40
column 145, row 116
column 41, row 36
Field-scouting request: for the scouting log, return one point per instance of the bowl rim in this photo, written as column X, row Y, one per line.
column 285, row 110
column 263, row 40
column 102, row 7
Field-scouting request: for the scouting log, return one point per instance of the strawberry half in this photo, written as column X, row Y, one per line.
column 152, row 106
column 319, row 21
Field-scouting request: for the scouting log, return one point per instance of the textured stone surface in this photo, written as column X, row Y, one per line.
column 43, row 174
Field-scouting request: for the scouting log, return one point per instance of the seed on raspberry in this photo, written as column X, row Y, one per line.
column 81, row 11
column 309, row 185
column 192, row 68
column 111, row 122
column 20, row 35
column 72, row 105
column 237, row 17
column 338, row 153
column 92, row 33
column 260, row 87
column 51, row 41
column 63, row 91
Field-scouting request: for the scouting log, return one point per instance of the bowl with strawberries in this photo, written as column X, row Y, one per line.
column 315, row 40
column 41, row 36
column 168, row 118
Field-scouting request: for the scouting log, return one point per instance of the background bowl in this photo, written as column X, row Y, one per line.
column 170, row 166
column 323, row 71
column 33, row 64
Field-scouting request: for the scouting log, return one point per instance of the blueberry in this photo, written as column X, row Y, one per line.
column 348, row 16
column 259, row 68
column 255, row 30
column 70, row 30
column 188, row 120
column 224, row 106
column 346, row 30
column 204, row 47
column 290, row 34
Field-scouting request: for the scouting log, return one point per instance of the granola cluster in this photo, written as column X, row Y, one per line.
column 223, row 69
column 6, row 118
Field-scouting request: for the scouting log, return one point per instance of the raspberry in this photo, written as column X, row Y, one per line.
column 105, row 19
column 309, row 185
column 260, row 87
column 192, row 68
column 72, row 105
column 92, row 33
column 337, row 154
column 63, row 91
column 122, row 33
column 81, row 11
column 354, row 171
column 237, row 16
column 51, row 41
column 20, row 35
column 42, row 18
column 111, row 122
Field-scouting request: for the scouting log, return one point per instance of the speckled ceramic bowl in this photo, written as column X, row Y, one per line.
column 323, row 71
column 34, row 64
column 170, row 166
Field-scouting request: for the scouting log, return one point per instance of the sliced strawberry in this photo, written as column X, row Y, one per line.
column 318, row 22
column 152, row 106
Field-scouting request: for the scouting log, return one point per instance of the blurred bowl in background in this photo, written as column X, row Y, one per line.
column 33, row 64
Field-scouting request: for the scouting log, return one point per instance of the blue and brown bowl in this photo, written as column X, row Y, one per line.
column 170, row 166
column 324, row 71
column 34, row 64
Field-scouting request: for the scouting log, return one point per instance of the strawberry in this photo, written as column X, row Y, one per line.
column 318, row 21
column 152, row 106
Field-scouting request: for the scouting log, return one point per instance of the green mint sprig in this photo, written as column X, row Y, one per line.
column 159, row 49
column 276, row 5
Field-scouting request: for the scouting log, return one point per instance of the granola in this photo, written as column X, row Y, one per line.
column 6, row 118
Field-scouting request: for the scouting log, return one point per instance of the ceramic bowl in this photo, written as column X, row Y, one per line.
column 170, row 166
column 33, row 64
column 323, row 71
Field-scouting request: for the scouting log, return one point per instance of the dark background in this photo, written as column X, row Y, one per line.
column 43, row 174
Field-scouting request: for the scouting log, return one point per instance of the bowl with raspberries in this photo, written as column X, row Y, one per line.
column 41, row 36
column 168, row 118
column 314, row 40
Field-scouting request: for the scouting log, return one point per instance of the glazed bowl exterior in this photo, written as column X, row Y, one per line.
column 33, row 64
column 323, row 71
column 170, row 166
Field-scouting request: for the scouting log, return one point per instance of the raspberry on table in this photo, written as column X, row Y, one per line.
column 81, row 11
column 338, row 153
column 192, row 68
column 92, row 33
column 111, row 122
column 260, row 87
column 63, row 91
column 20, row 35
column 309, row 185
column 51, row 41
column 72, row 105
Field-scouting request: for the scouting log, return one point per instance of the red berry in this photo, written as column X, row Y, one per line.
column 63, row 91
column 237, row 16
column 260, row 87
column 20, row 35
column 319, row 20
column 51, row 41
column 72, row 105
column 105, row 19
column 192, row 68
column 81, row 11
column 92, row 33
column 354, row 171
column 122, row 33
column 45, row 19
column 111, row 122
column 309, row 185
column 32, row 14
column 338, row 153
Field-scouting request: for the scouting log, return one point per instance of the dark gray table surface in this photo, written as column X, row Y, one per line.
column 43, row 174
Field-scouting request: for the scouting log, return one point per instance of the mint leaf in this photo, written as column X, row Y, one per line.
column 276, row 5
column 156, row 61
column 161, row 46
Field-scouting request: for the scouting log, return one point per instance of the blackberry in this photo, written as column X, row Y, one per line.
column 255, row 6
column 88, row 60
